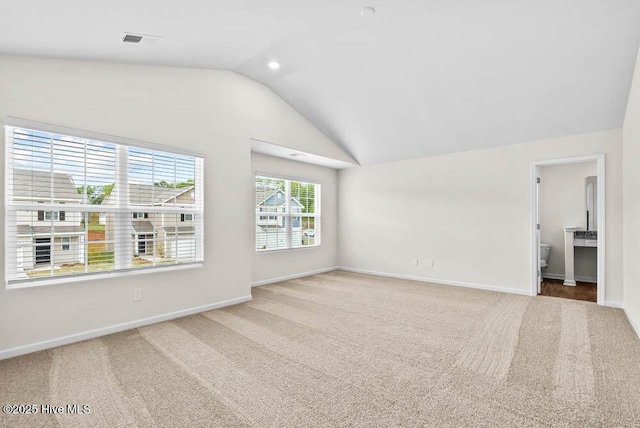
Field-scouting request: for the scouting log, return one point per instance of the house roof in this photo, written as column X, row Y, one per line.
column 28, row 184
column 270, row 226
column 24, row 229
column 180, row 229
column 142, row 227
column 143, row 194
column 271, row 196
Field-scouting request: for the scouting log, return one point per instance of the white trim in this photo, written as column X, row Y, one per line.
column 73, row 338
column 19, row 284
column 294, row 276
column 635, row 327
column 439, row 281
column 612, row 304
column 90, row 135
column 578, row 278
column 534, row 170
column 279, row 176
column 276, row 250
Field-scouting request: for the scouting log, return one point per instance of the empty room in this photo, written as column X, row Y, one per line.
column 304, row 214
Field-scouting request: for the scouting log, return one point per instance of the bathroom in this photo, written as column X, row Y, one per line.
column 568, row 217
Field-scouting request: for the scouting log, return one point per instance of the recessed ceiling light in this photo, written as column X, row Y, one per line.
column 274, row 65
column 296, row 154
column 367, row 11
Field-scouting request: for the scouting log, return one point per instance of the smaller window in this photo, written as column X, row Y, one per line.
column 287, row 214
column 186, row 217
column 66, row 243
column 140, row 215
column 47, row 215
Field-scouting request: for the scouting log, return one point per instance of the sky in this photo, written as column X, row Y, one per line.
column 42, row 151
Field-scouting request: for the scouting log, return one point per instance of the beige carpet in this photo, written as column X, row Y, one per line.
column 343, row 349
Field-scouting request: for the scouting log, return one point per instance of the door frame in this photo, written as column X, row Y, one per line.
column 535, row 259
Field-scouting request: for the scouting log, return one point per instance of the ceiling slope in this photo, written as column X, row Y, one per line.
column 418, row 78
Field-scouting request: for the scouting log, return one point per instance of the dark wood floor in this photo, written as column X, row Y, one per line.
column 583, row 291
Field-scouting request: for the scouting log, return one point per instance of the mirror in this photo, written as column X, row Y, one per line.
column 591, row 188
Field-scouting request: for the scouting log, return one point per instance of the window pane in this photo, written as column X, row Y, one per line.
column 49, row 170
column 272, row 229
column 271, row 233
column 308, row 231
column 160, row 179
column 162, row 239
column 54, row 168
column 44, row 250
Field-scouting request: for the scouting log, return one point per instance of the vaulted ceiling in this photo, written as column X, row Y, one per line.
column 417, row 78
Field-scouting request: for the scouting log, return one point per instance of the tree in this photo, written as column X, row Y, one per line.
column 305, row 194
column 179, row 185
column 96, row 194
column 187, row 183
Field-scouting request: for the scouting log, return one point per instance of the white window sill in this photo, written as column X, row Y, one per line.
column 102, row 275
column 279, row 250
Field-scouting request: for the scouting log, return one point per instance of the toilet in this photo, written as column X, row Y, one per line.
column 545, row 250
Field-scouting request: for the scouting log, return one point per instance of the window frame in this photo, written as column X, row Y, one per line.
column 49, row 214
column 124, row 211
column 286, row 212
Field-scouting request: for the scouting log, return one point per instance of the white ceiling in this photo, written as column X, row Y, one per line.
column 419, row 78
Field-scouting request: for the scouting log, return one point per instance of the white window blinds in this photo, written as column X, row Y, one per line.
column 77, row 205
column 287, row 213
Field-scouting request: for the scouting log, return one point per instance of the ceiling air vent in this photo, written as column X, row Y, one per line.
column 140, row 39
column 130, row 38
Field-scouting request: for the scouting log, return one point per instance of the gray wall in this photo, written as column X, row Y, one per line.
column 632, row 203
column 215, row 112
column 469, row 211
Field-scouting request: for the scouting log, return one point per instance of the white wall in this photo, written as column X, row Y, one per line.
column 563, row 203
column 272, row 265
column 631, row 174
column 469, row 211
column 215, row 112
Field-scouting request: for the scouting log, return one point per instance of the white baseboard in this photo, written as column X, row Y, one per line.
column 294, row 276
column 440, row 281
column 634, row 326
column 578, row 278
column 78, row 337
column 612, row 304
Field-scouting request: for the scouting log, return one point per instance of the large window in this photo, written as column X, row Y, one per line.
column 287, row 214
column 124, row 205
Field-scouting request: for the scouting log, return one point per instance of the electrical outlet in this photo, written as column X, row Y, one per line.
column 415, row 262
column 137, row 294
column 430, row 263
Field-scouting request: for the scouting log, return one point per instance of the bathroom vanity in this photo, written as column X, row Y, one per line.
column 574, row 237
column 577, row 236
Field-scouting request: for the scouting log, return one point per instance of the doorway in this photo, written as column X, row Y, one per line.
column 576, row 232
column 43, row 250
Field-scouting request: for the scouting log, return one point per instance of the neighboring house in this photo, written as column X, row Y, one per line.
column 270, row 229
column 173, row 234
column 47, row 236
